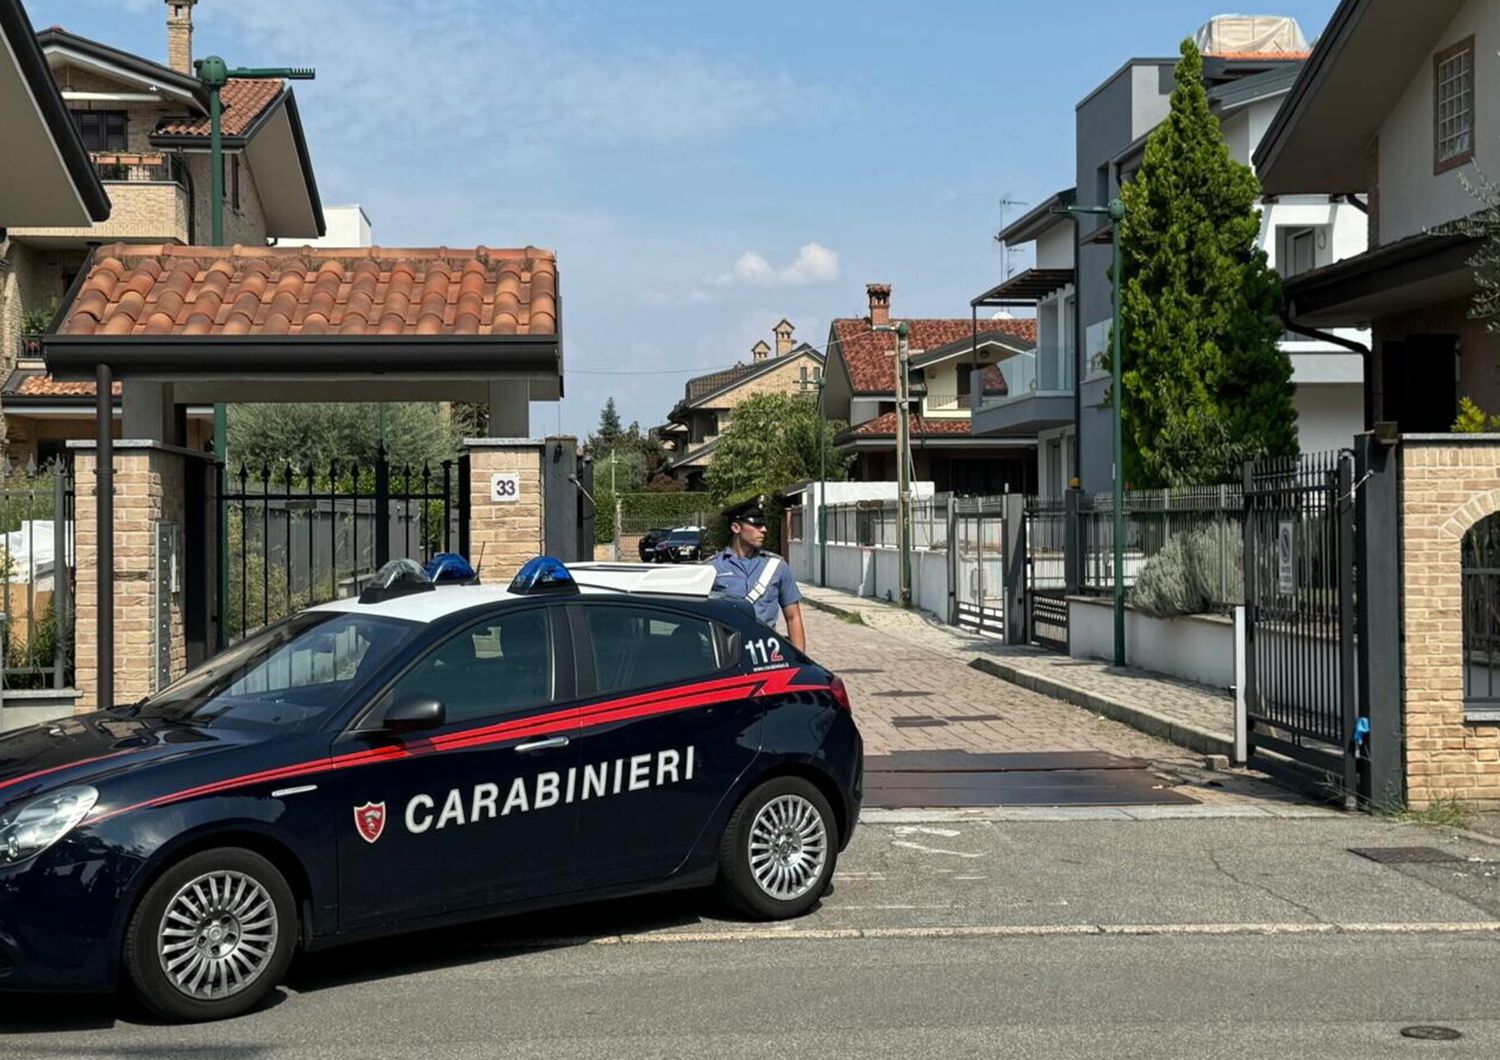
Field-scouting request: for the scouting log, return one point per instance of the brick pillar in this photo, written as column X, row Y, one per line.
column 149, row 491
column 506, row 506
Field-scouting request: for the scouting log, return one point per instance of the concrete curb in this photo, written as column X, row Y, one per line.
column 1139, row 718
column 832, row 609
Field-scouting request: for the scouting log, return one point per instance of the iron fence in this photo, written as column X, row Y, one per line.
column 36, row 518
column 876, row 524
column 1153, row 518
column 299, row 536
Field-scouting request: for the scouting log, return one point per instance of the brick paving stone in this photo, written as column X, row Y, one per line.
column 894, row 655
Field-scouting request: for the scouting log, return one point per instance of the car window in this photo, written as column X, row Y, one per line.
column 292, row 674
column 638, row 647
column 498, row 665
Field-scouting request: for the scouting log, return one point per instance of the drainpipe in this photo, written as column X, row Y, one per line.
column 104, row 478
column 1366, row 356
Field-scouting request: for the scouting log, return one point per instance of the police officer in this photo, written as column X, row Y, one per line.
column 763, row 578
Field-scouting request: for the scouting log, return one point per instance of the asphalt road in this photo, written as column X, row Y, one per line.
column 1194, row 937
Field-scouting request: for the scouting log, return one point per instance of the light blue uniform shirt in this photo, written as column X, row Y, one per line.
column 736, row 577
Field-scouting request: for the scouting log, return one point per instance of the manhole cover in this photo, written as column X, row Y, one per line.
column 918, row 722
column 901, row 692
column 975, row 717
column 1431, row 1034
column 1405, row 855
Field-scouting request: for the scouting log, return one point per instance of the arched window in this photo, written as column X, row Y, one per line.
column 1481, row 586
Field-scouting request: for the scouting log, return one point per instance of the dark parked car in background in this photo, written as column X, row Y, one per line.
column 649, row 540
column 683, row 545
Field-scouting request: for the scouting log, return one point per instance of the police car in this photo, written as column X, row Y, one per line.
column 422, row 755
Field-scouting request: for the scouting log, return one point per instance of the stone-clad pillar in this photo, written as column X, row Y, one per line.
column 506, row 506
column 150, row 515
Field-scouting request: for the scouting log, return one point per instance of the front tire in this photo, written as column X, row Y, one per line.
column 212, row 937
column 779, row 850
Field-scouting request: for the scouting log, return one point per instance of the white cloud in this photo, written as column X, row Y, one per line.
column 814, row 263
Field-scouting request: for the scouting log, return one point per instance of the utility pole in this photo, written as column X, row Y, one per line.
column 1115, row 211
column 822, row 522
column 903, row 455
column 214, row 74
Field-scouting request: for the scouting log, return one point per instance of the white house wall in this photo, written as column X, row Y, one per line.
column 1412, row 198
column 1328, row 417
column 1054, row 247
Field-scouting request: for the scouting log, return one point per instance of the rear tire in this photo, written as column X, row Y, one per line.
column 779, row 850
column 212, row 937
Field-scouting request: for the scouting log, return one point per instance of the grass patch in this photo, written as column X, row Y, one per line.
column 1441, row 813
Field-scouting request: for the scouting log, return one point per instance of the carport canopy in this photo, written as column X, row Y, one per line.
column 283, row 324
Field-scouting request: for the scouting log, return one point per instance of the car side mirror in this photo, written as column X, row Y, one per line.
column 413, row 713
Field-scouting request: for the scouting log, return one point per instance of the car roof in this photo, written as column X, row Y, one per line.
column 616, row 580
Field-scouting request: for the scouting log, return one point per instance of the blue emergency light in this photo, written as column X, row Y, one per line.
column 544, row 574
column 449, row 568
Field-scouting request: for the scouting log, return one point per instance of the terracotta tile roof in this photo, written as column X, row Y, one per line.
column 1267, row 57
column 244, row 100
column 171, row 290
column 44, row 385
column 884, row 426
column 703, row 385
column 870, row 355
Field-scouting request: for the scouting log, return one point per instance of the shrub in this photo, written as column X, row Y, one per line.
column 1183, row 578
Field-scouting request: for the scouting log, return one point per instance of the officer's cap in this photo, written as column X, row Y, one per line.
column 750, row 511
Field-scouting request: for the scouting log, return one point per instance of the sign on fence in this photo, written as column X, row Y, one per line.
column 1286, row 577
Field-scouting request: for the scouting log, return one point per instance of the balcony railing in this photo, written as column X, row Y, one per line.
column 119, row 166
column 1046, row 370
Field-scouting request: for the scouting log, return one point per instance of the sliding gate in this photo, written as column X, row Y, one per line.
column 1300, row 694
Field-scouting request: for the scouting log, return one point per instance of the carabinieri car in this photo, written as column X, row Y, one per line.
column 422, row 755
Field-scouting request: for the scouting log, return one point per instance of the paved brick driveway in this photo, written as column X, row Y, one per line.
column 891, row 680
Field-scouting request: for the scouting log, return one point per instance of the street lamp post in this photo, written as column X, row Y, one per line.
column 1115, row 211
column 214, row 74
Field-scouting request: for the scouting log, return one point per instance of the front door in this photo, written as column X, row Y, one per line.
column 673, row 726
column 469, row 814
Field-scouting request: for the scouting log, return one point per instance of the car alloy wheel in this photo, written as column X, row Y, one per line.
column 788, row 846
column 217, row 935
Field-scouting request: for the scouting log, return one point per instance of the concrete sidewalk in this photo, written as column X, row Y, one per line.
column 1192, row 716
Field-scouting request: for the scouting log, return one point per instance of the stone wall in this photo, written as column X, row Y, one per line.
column 502, row 536
column 1448, row 484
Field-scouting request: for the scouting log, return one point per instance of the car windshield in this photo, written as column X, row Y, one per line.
column 289, row 676
column 683, row 537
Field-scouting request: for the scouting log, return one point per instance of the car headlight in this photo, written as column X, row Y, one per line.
column 30, row 828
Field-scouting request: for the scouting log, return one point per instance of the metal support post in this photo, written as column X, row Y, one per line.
column 1377, row 563
column 903, row 456
column 1117, row 214
column 104, row 479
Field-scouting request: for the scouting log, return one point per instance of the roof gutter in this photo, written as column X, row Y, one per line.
column 1366, row 356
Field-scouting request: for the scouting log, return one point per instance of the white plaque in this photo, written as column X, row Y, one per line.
column 1286, row 574
column 505, row 487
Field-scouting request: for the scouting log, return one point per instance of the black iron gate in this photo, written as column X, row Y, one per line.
column 303, row 535
column 1046, row 573
column 1300, row 686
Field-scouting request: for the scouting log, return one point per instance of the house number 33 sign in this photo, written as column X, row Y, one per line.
column 505, row 487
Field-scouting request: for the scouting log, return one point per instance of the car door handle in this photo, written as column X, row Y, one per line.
column 542, row 745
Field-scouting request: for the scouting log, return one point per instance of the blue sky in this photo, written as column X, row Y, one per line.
column 703, row 169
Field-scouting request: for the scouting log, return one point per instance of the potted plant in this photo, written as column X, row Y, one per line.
column 34, row 324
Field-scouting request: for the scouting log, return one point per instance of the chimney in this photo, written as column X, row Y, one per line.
column 180, row 35
column 880, row 303
column 760, row 351
column 784, row 338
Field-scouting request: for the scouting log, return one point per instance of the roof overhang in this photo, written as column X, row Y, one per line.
column 860, row 443
column 1038, row 219
column 144, row 75
column 1420, row 271
column 1025, row 288
column 276, row 149
column 1364, row 62
column 47, row 178
column 1002, row 344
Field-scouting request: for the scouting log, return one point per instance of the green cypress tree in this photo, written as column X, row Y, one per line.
column 1206, row 386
